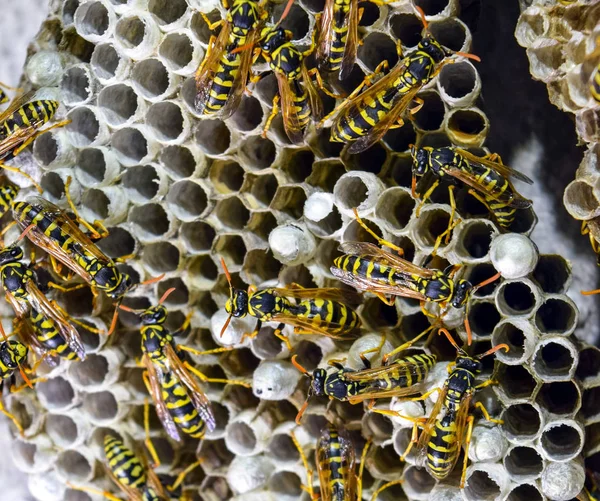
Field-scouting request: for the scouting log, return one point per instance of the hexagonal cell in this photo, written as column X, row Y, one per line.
column 61, row 429
column 74, row 466
column 517, row 298
column 231, row 213
column 354, row 232
column 450, row 32
column 407, row 28
column 167, row 11
column 231, row 248
column 199, row 27
column 260, row 267
column 167, row 122
column 525, row 492
column 520, row 338
column 202, row 272
column 395, row 208
column 176, row 50
column 151, row 78
column 525, row 220
column 401, row 138
column 141, row 183
column 522, row 422
column 589, row 404
column 467, row 127
column 481, row 485
column 552, row 273
column 556, row 316
column 118, row 103
column 431, row 115
column 432, row 7
column 213, row 136
column 297, row 165
column 151, row 218
column 226, row 176
column 261, row 223
column 373, row 160
column 588, row 367
column 554, row 358
column 290, row 200
column 475, row 239
column 458, row 80
column 483, row 317
column 377, row 47
column 248, row 115
column 400, row 171
column 296, row 20
column 563, row 397
column 324, row 147
column 178, row 161
column 257, row 153
column 523, row 463
column 480, row 273
column 179, row 297
column 384, row 463
column 161, row 257
column 130, row 145
column 430, row 225
column 562, row 441
column 119, row 242
column 418, row 480
column 378, row 315
column 84, row 128
column 187, row 200
column 56, row 393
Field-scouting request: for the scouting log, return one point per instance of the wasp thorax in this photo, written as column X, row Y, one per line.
column 318, row 382
column 123, row 286
column 462, row 292
column 237, row 304
column 154, row 315
column 468, row 363
column 13, row 353
column 431, row 46
column 271, row 39
column 11, row 254
column 420, row 160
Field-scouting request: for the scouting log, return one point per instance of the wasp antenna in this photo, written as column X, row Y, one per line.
column 450, row 338
column 488, row 281
column 502, row 346
column 297, row 365
column 226, row 271
column 422, row 15
column 225, row 325
column 413, row 186
column 26, row 231
column 167, row 293
column 242, row 48
column 469, row 56
column 301, row 412
column 286, row 11
column 468, row 327
column 127, row 308
column 113, row 323
column 24, row 376
column 153, row 280
column 589, row 293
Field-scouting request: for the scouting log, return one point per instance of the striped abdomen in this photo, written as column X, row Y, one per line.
column 595, row 85
column 123, row 463
column 341, row 9
column 336, row 464
column 47, row 333
column 367, row 267
column 181, row 408
column 222, row 84
column 320, row 311
column 408, row 371
column 29, row 114
column 301, row 104
column 443, row 447
column 8, row 193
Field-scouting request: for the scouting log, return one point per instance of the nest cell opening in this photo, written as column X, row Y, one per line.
column 161, row 257
column 68, row 11
column 167, row 11
column 552, row 273
column 589, row 403
column 24, row 453
column 45, row 149
column 240, row 438
column 377, row 47
column 261, row 266
column 119, row 242
column 555, row 316
column 75, row 302
column 150, row 78
column 524, row 462
column 166, row 120
column 419, row 480
column 561, row 442
column 352, row 192
column 431, row 224
column 561, row 397
column 385, row 460
column 299, row 165
column 480, row 273
column 151, row 218
column 130, row 31
column 74, row 466
column 477, row 238
column 514, row 337
column 75, row 85
column 313, row 6
column 90, row 161
column 466, row 124
column 296, row 21
column 450, row 33
column 371, row 160
column 324, row 147
column 516, row 298
column 84, row 127
column 432, row 7
column 289, row 199
column 176, row 51
column 431, row 115
column 118, row 104
column 314, row 424
column 187, row 200
column 395, row 207
column 61, row 429
column 56, row 393
column 553, row 360
column 257, row 152
column 198, row 236
column 97, row 203
column 262, row 224
column 222, row 416
column 589, row 363
column 248, row 115
column 141, row 183
column 521, row 421
column 263, row 189
column 379, row 315
column 401, row 138
column 73, row 495
column 178, row 161
column 231, row 248
column 90, row 372
column 92, row 19
column 130, row 144
column 401, row 170
column 203, row 271
column 525, row 492
column 285, row 483
column 458, row 79
column 407, row 28
column 105, row 61
column 381, row 426
column 226, row 176
column 101, row 406
column 480, row 485
column 282, row 448
column 213, row 136
column 356, row 233
column 266, row 345
column 392, row 493
column 232, row 213
column 435, row 140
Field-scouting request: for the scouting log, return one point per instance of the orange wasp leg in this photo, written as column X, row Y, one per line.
column 91, row 490
column 384, row 487
column 382, row 242
column 273, row 114
column 308, row 488
column 147, row 439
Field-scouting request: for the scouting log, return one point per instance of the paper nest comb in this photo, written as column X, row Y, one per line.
column 179, row 192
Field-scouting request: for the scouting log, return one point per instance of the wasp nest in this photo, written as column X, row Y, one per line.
column 179, row 192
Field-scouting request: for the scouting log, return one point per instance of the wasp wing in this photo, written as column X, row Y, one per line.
column 131, row 493
column 502, row 169
column 291, row 120
column 332, row 293
column 343, row 463
column 429, row 425
column 197, row 395
column 349, row 57
column 54, row 313
column 29, row 339
column 15, row 104
column 314, row 100
column 314, row 326
column 324, row 44
column 162, row 411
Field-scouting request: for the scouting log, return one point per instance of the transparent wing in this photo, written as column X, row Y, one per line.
column 425, row 435
column 323, row 52
column 316, row 105
column 351, row 41
column 161, row 407
column 197, row 395
column 343, row 462
column 332, row 293
column 291, row 120
column 322, row 328
column 505, row 170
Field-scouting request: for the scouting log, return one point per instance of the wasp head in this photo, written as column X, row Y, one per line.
column 11, row 254
column 124, row 284
column 469, row 363
column 273, row 38
column 420, row 158
column 13, row 354
column 237, row 304
column 318, row 382
column 431, row 46
column 154, row 316
column 462, row 292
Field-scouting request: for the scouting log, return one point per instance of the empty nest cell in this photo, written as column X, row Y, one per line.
column 187, row 200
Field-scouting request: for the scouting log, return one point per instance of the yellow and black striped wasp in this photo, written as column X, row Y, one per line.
column 223, row 74
column 131, row 473
column 590, row 70
column 369, row 268
column 335, row 461
column 450, row 423
column 593, row 492
column 365, row 116
column 52, row 229
column 20, row 125
column 487, row 177
column 42, row 324
column 585, row 230
column 322, row 311
column 180, row 402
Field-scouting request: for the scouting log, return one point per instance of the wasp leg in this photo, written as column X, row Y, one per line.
column 91, row 490
column 419, row 105
column 278, row 332
column 206, row 379
column 446, row 233
column 315, row 73
column 485, row 412
column 6, row 228
column 97, row 230
column 22, row 173
column 451, row 189
column 66, row 288
column 273, row 114
column 389, row 301
column 207, row 352
column 12, row 418
column 494, row 157
column 148, row 440
column 425, row 312
column 309, row 473
column 337, row 363
column 254, row 333
column 384, row 487
column 361, row 469
column 405, row 346
column 382, row 242
column 17, row 389
column 366, row 362
column 181, row 477
column 381, row 67
column 212, row 26
column 426, row 196
column 467, row 444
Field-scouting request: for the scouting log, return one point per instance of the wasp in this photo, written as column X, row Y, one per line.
column 321, row 311
column 13, row 354
column 179, row 400
column 398, row 378
column 368, row 267
column 335, row 460
column 450, row 423
column 593, row 493
column 585, row 230
column 131, row 473
column 300, row 101
column 52, row 229
column 364, row 117
column 20, row 125
column 487, row 177
column 46, row 327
